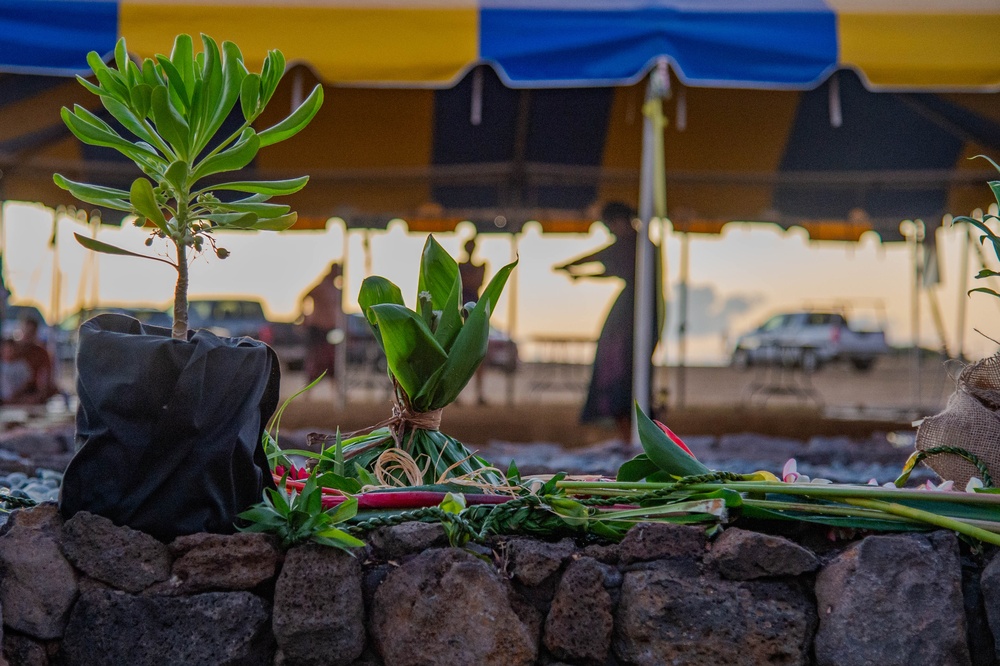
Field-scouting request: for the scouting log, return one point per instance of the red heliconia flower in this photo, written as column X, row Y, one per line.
column 674, row 438
column 295, row 473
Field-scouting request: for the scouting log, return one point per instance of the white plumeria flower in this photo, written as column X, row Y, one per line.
column 790, row 473
column 973, row 483
column 944, row 487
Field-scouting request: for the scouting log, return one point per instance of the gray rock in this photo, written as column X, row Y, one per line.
column 990, row 586
column 37, row 584
column 394, row 542
column 655, row 541
column 222, row 562
column 35, row 441
column 318, row 608
column 745, row 555
column 23, row 651
column 667, row 616
column 533, row 561
column 446, row 607
column 893, row 599
column 110, row 628
column 122, row 557
column 579, row 625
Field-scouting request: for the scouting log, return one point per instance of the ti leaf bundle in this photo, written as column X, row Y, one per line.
column 432, row 352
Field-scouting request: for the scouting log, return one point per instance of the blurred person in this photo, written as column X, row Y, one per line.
column 41, row 379
column 14, row 371
column 473, row 275
column 609, row 397
column 323, row 309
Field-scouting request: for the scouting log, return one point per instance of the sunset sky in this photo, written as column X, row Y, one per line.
column 736, row 279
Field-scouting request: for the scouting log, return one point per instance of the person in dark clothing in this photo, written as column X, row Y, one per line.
column 41, row 380
column 609, row 397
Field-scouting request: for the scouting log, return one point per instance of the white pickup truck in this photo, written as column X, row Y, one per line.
column 809, row 340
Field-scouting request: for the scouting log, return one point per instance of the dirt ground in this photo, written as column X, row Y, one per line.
column 541, row 403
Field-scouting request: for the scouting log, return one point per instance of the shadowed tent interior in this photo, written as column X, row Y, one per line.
column 499, row 156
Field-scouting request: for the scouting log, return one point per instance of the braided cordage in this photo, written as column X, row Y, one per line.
column 12, row 502
column 958, row 451
column 663, row 493
column 433, row 513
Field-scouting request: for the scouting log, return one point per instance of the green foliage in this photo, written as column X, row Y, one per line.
column 432, row 352
column 171, row 110
column 988, row 235
column 662, row 460
column 297, row 517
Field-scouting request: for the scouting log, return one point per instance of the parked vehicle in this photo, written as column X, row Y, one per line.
column 809, row 340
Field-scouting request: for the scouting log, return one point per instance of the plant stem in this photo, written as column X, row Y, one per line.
column 180, row 328
column 928, row 517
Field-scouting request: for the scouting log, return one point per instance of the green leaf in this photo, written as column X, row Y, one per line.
column 233, row 158
column 985, row 290
column 439, row 276
column 91, row 87
column 121, row 55
column 111, row 81
column 232, row 220
column 80, row 124
column 271, row 73
column 250, row 96
column 411, row 351
column 296, row 122
column 280, row 223
column 129, row 120
column 637, row 469
column 364, row 476
column 176, row 89
column 177, row 175
column 108, row 197
column 339, row 482
column 169, row 123
column 141, row 95
column 144, row 200
column 988, row 159
column 343, row 511
column 338, row 538
column 262, row 209
column 464, row 357
column 374, row 291
column 493, row 290
column 269, row 187
column 105, row 248
column 669, row 457
column 453, row 503
column 182, row 57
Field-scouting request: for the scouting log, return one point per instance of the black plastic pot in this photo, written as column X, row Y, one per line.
column 168, row 432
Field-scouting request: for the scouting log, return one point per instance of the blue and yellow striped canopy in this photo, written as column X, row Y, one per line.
column 794, row 44
column 501, row 111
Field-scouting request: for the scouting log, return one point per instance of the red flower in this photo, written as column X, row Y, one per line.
column 674, row 438
column 295, row 473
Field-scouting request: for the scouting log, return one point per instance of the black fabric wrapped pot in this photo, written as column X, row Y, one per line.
column 168, row 432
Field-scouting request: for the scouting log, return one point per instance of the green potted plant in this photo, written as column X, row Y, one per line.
column 170, row 421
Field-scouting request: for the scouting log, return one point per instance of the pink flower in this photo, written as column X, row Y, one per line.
column 790, row 473
column 674, row 438
column 947, row 486
column 294, row 473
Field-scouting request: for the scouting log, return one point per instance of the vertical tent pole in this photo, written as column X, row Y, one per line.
column 340, row 376
column 963, row 286
column 652, row 202
column 682, row 309
column 512, row 314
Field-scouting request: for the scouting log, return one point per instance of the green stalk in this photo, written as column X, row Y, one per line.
column 825, row 510
column 927, row 517
column 802, row 489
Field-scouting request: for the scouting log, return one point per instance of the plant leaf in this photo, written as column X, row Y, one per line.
column 105, row 248
column 669, row 457
column 464, row 357
column 296, row 122
column 144, row 200
column 169, row 123
column 411, row 351
column 108, row 197
column 269, row 187
column 637, row 469
column 233, row 158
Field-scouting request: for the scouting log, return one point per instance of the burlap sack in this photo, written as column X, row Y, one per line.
column 971, row 421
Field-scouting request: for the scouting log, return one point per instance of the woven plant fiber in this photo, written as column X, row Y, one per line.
column 970, row 421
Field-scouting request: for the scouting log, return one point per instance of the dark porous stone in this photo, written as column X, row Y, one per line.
column 656, row 541
column 977, row 626
column 239, row 561
column 37, row 584
column 609, row 553
column 318, row 607
column 122, row 557
column 579, row 625
column 745, row 555
column 110, row 628
column 447, row 607
column 533, row 561
column 394, row 542
column 894, row 599
column 22, row 651
column 666, row 616
column 990, row 589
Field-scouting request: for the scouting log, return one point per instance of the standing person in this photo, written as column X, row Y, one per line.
column 41, row 381
column 609, row 397
column 473, row 275
column 323, row 308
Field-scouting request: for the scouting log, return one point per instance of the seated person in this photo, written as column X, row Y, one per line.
column 14, row 371
column 41, row 382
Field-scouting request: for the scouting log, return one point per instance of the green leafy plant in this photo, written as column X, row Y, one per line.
column 170, row 111
column 432, row 352
column 988, row 233
column 298, row 516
